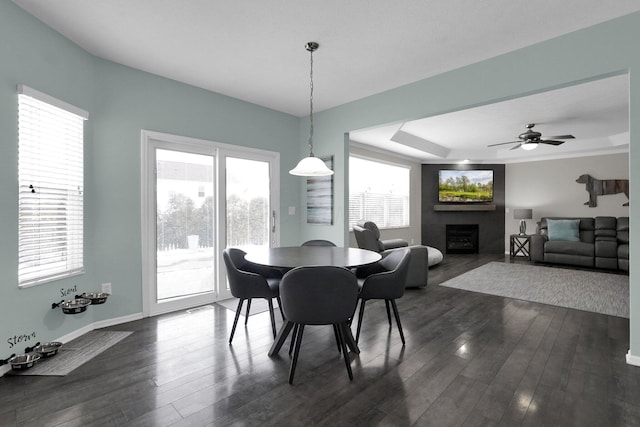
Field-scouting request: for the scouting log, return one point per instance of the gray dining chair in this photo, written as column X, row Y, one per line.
column 387, row 284
column 319, row 295
column 248, row 281
column 318, row 242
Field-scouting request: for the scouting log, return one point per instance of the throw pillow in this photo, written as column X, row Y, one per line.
column 564, row 229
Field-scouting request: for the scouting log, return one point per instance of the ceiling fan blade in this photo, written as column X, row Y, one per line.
column 551, row 142
column 561, row 137
column 502, row 143
column 516, row 147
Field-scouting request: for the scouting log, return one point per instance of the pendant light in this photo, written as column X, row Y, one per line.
column 311, row 166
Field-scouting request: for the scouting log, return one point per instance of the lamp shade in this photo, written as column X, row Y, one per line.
column 523, row 213
column 529, row 146
column 311, row 166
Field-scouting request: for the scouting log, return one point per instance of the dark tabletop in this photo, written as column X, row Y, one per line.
column 297, row 256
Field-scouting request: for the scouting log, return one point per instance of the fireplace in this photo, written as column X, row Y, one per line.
column 462, row 239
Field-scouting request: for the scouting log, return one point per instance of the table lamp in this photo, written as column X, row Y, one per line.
column 522, row 215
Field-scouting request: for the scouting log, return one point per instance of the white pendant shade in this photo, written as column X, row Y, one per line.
column 311, row 166
column 529, row 146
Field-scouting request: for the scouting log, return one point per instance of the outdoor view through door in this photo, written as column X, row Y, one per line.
column 185, row 224
column 247, row 202
column 185, row 217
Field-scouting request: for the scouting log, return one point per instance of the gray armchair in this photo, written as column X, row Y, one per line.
column 368, row 237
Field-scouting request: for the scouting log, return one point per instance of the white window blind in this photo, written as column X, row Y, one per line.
column 51, row 188
column 378, row 192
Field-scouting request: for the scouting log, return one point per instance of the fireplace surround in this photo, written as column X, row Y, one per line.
column 462, row 238
column 490, row 218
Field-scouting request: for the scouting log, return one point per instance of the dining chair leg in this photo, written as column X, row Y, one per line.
column 296, row 352
column 273, row 317
column 335, row 333
column 360, row 315
column 293, row 338
column 353, row 315
column 386, row 303
column 395, row 312
column 235, row 320
column 280, row 307
column 345, row 353
column 246, row 317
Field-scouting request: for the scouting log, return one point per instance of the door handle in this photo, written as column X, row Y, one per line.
column 273, row 224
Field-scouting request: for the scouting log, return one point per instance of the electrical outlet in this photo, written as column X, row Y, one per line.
column 106, row 288
column 292, row 210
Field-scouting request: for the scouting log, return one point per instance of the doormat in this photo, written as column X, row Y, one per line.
column 75, row 353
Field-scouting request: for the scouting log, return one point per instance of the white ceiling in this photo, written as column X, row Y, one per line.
column 596, row 113
column 254, row 49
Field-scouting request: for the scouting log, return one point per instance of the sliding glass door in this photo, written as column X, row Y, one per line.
column 201, row 197
column 185, row 228
column 248, row 215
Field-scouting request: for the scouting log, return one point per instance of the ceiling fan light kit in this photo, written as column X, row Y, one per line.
column 530, row 139
column 311, row 165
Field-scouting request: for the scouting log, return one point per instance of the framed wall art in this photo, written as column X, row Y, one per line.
column 320, row 197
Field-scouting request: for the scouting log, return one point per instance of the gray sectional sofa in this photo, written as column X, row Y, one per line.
column 600, row 242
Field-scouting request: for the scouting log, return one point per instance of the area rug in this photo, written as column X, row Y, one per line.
column 75, row 353
column 598, row 292
column 258, row 305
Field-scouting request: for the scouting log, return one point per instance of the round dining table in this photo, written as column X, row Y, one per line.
column 289, row 257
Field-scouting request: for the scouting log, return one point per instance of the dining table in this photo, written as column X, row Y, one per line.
column 289, row 257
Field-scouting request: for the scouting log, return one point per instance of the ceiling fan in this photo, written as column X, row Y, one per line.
column 530, row 139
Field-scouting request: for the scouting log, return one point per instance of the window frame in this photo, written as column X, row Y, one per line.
column 50, row 188
column 407, row 212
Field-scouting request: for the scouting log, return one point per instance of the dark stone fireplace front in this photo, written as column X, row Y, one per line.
column 462, row 238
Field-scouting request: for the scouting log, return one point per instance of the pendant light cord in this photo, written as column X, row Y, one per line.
column 311, row 107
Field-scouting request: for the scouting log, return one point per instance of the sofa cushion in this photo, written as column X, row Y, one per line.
column 564, row 229
column 607, row 247
column 623, row 252
column 605, row 226
column 623, row 229
column 569, row 248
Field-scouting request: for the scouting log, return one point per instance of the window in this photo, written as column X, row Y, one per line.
column 378, row 192
column 51, row 187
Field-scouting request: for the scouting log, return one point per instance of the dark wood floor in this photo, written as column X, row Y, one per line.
column 470, row 360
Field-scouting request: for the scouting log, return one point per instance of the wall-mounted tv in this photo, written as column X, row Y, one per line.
column 465, row 186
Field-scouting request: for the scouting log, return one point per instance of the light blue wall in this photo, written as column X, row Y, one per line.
column 33, row 55
column 595, row 52
column 121, row 101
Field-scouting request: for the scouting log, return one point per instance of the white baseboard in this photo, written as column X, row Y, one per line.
column 117, row 320
column 88, row 328
column 633, row 360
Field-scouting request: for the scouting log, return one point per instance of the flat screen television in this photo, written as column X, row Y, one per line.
column 465, row 186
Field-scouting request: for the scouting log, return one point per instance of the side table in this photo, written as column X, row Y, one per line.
column 519, row 245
